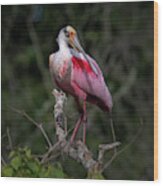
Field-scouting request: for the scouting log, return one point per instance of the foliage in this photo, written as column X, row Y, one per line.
column 24, row 164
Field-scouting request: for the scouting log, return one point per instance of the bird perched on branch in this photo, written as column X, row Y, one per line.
column 77, row 74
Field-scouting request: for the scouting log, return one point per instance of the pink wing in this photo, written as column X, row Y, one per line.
column 85, row 78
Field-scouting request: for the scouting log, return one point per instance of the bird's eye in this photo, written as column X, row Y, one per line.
column 66, row 33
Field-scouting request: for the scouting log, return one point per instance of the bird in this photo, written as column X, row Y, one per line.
column 76, row 73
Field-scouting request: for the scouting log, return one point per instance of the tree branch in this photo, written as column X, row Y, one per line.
column 78, row 150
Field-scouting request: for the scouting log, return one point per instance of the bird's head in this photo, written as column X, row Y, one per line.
column 69, row 35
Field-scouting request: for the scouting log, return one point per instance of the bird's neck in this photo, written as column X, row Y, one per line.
column 64, row 50
column 62, row 45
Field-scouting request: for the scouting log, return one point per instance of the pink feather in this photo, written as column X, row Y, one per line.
column 92, row 86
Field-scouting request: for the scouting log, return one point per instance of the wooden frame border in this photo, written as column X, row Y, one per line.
column 155, row 90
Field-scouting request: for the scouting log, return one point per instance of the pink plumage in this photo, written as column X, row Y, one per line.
column 76, row 73
column 92, row 85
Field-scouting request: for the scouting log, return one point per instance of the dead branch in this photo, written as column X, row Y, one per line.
column 78, row 150
column 105, row 147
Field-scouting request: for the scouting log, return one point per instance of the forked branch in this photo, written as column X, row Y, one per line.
column 78, row 150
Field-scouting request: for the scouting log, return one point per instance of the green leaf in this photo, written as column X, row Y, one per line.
column 34, row 167
column 12, row 154
column 16, row 162
column 55, row 172
column 95, row 175
column 58, row 173
column 7, row 171
column 28, row 153
column 43, row 173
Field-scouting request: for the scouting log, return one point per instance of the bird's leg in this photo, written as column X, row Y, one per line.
column 84, row 122
column 81, row 120
column 76, row 128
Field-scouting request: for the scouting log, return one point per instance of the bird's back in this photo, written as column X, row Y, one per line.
column 93, row 84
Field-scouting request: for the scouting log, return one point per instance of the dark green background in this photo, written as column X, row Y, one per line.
column 120, row 37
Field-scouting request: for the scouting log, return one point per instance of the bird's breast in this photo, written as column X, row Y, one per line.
column 61, row 70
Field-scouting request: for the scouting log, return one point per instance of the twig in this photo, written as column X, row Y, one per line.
column 106, row 147
column 24, row 114
column 122, row 150
column 9, row 139
column 51, row 149
column 52, row 157
column 3, row 161
column 45, row 135
column 113, row 133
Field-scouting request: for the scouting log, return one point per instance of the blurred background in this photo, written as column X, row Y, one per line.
column 120, row 37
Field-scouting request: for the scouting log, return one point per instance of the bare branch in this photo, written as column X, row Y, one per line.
column 3, row 161
column 106, row 147
column 45, row 135
column 51, row 149
column 78, row 150
column 9, row 138
column 24, row 114
column 113, row 133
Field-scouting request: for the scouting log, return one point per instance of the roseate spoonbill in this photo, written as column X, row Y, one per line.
column 77, row 74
